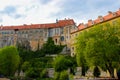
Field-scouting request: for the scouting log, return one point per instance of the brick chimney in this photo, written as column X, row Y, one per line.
column 56, row 20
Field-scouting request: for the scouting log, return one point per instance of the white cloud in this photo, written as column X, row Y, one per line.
column 31, row 11
column 36, row 11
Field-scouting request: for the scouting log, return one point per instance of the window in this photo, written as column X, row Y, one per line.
column 67, row 37
column 61, row 32
column 114, row 14
column 101, row 19
column 55, row 40
column 62, row 38
column 2, row 32
column 11, row 32
column 92, row 22
column 31, row 31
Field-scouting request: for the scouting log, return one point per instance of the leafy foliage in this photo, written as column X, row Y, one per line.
column 9, row 60
column 100, row 46
column 50, row 48
column 62, row 63
column 34, row 63
column 80, row 56
column 63, row 75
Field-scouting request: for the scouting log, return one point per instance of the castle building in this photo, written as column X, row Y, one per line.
column 112, row 18
column 35, row 34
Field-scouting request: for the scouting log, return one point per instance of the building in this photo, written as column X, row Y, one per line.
column 111, row 17
column 35, row 34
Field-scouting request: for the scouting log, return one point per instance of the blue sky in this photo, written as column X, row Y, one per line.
column 18, row 12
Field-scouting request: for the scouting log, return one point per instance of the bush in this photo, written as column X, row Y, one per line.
column 61, row 75
column 56, row 75
column 64, row 75
column 33, row 72
column 9, row 60
column 44, row 74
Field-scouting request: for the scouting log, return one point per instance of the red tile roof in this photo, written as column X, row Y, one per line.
column 108, row 17
column 60, row 23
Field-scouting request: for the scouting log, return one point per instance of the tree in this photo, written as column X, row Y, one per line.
column 50, row 48
column 9, row 60
column 62, row 63
column 80, row 56
column 101, row 46
column 64, row 75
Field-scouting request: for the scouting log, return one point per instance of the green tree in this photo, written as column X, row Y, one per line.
column 64, row 75
column 101, row 46
column 80, row 56
column 62, row 63
column 9, row 60
column 50, row 48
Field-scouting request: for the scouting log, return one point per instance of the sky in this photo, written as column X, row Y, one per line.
column 19, row 12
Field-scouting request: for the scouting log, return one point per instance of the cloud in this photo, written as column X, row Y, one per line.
column 83, row 10
column 17, row 12
column 29, row 11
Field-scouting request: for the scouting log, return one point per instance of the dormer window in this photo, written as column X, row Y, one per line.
column 100, row 18
column 114, row 14
column 92, row 22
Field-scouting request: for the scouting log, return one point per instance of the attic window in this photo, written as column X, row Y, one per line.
column 101, row 19
column 92, row 22
column 114, row 14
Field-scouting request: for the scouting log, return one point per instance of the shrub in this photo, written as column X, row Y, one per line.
column 64, row 75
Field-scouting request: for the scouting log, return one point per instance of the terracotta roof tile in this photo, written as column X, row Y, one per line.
column 60, row 23
column 110, row 16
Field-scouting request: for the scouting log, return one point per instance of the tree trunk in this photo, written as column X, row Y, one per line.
column 83, row 70
column 111, row 73
column 110, row 70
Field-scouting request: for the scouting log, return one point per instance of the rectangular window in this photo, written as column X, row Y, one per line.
column 62, row 38
column 62, row 30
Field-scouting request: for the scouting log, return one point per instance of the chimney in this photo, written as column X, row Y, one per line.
column 56, row 20
column 25, row 24
column 82, row 23
column 110, row 12
column 99, row 16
